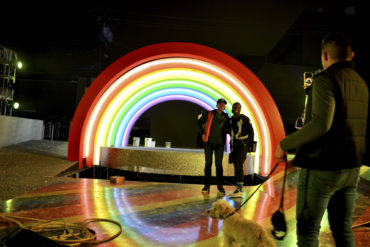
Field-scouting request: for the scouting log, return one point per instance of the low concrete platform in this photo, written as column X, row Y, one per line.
column 166, row 161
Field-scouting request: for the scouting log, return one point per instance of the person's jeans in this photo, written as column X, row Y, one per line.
column 320, row 190
column 219, row 153
column 240, row 153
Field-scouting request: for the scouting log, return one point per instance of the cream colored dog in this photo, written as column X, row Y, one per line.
column 237, row 229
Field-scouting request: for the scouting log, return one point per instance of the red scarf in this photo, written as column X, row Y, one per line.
column 208, row 124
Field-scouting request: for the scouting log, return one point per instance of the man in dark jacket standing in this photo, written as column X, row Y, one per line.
column 330, row 145
column 241, row 135
column 214, row 137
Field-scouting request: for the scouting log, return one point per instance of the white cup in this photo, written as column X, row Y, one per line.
column 153, row 144
column 136, row 141
column 148, row 142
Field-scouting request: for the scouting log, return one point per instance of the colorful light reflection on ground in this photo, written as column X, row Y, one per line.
column 170, row 214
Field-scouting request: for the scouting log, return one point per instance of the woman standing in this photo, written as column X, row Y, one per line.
column 241, row 142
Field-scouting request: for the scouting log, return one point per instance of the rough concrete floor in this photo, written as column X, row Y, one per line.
column 31, row 165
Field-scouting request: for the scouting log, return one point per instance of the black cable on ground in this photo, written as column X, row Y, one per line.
column 67, row 234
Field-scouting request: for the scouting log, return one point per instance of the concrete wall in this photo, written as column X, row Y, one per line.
column 14, row 130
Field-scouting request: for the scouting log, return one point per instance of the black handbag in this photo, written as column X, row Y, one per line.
column 253, row 146
column 231, row 158
column 279, row 223
column 278, row 218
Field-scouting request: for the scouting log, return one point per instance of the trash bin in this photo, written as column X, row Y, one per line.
column 249, row 164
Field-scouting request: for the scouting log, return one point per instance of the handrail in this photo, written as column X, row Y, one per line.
column 55, row 131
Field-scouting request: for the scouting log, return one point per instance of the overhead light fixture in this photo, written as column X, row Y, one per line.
column 16, row 105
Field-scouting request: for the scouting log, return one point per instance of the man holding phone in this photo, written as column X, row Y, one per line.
column 330, row 145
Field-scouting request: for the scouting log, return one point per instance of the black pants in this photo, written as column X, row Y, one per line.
column 219, row 153
column 240, row 154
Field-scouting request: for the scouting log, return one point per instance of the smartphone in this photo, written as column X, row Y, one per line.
column 307, row 79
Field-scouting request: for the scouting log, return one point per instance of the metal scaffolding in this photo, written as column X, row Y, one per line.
column 8, row 59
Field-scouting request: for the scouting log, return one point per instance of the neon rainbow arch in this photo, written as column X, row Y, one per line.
column 165, row 72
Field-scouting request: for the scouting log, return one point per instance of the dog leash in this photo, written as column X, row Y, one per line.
column 259, row 186
column 278, row 218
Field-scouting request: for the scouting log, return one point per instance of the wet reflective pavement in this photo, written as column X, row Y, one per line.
column 172, row 214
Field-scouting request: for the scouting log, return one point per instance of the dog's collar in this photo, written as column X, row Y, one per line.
column 230, row 214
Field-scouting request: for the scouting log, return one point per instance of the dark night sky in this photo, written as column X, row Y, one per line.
column 277, row 40
column 53, row 36
column 62, row 37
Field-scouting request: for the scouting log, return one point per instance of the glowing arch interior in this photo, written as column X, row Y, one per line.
column 190, row 78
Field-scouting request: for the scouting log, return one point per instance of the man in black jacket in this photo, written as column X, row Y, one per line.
column 330, row 145
column 241, row 135
column 214, row 127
